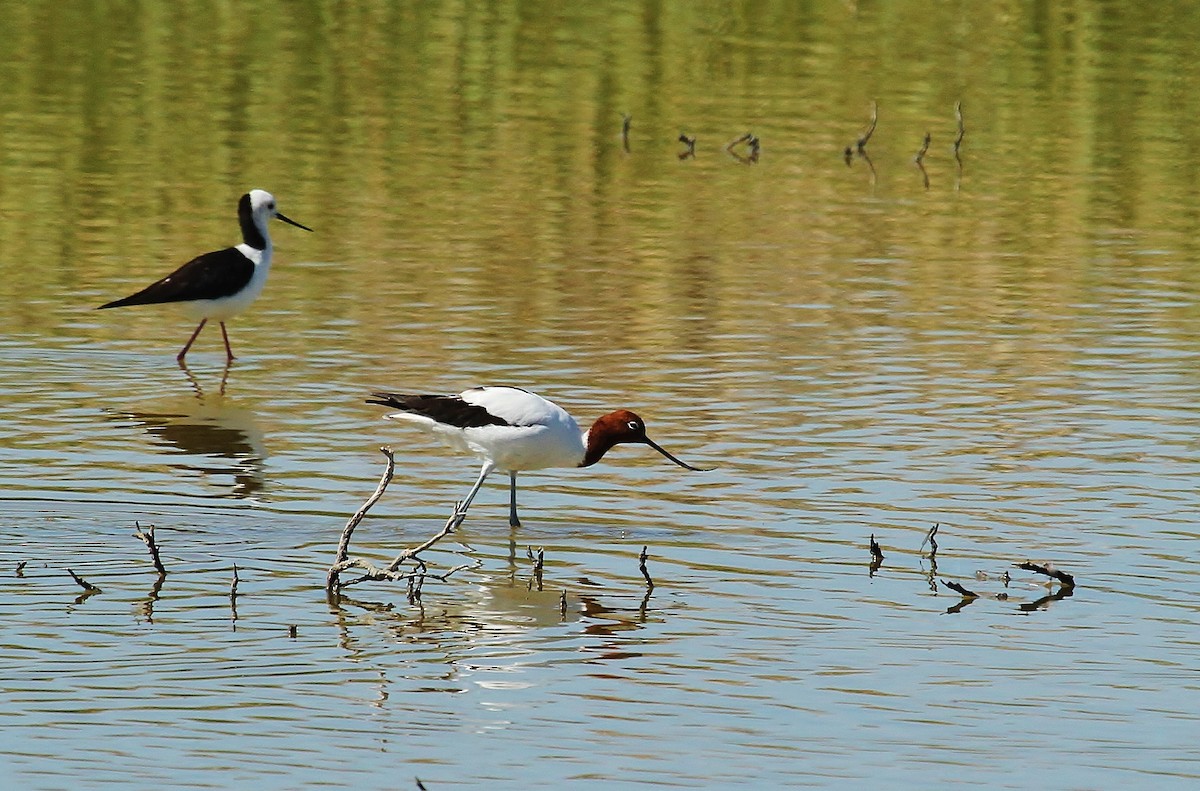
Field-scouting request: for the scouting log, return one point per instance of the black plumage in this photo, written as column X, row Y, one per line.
column 214, row 275
column 450, row 410
column 222, row 283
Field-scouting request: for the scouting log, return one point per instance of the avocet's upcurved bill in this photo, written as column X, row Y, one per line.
column 223, row 283
column 514, row 430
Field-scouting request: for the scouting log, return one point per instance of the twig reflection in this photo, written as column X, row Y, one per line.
column 690, row 142
column 145, row 608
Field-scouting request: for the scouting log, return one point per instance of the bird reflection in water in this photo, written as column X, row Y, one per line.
column 215, row 436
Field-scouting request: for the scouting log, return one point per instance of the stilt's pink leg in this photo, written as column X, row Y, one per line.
column 228, row 351
column 179, row 357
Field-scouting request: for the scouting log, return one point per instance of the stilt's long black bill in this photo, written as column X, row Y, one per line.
column 290, row 221
column 685, row 465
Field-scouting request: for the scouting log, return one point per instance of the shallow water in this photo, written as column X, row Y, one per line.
column 1010, row 353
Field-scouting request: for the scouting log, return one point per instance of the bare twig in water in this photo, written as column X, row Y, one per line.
column 919, row 160
column 642, row 568
column 931, row 577
column 690, row 142
column 538, row 563
column 233, row 594
column 420, row 785
column 876, row 557
column 147, row 538
column 392, row 572
column 959, row 589
column 343, row 550
column 562, row 603
column 862, row 141
column 751, row 142
column 626, row 122
column 737, row 141
column 930, row 538
column 293, row 631
column 456, row 519
column 21, row 568
column 924, row 148
column 848, row 155
column 88, row 587
column 962, row 129
column 1067, row 580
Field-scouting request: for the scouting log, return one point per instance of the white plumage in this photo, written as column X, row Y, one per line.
column 223, row 283
column 513, row 430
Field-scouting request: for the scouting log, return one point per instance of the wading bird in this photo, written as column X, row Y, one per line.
column 223, row 283
column 514, row 430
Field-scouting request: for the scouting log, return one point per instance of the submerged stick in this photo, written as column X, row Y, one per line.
column 752, row 143
column 392, row 572
column 456, row 519
column 1048, row 569
column 147, row 538
column 233, row 595
column 962, row 129
column 862, row 141
column 343, row 550
column 931, row 540
column 690, row 142
column 959, row 589
column 924, row 148
column 538, row 563
column 626, row 122
column 876, row 557
column 738, row 141
column 81, row 582
column 642, row 567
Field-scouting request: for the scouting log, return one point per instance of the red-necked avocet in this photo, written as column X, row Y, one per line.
column 514, row 430
column 223, row 283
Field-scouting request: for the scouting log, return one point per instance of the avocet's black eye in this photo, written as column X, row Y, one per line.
column 633, row 425
column 271, row 206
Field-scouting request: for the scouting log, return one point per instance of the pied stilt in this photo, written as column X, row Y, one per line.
column 223, row 283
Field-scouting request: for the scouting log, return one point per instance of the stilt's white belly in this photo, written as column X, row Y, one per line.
column 227, row 307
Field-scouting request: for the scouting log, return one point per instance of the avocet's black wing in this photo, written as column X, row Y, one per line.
column 449, row 410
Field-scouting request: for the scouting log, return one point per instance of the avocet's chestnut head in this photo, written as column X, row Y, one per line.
column 255, row 210
column 620, row 427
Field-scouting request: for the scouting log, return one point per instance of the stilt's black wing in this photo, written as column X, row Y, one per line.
column 222, row 273
column 450, row 410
